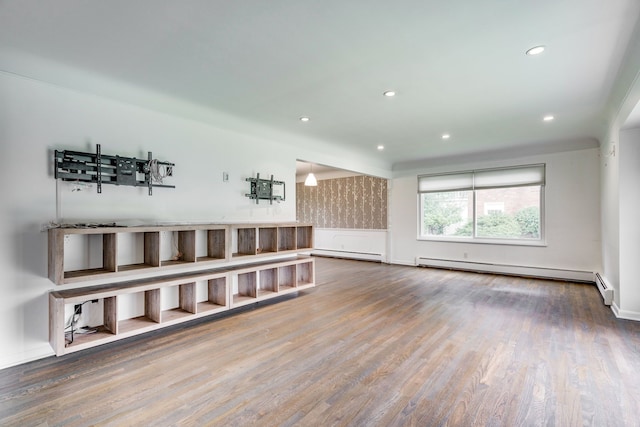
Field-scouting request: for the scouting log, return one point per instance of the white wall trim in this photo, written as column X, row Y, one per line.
column 349, row 254
column 625, row 314
column 519, row 270
column 36, row 353
column 401, row 262
column 615, row 309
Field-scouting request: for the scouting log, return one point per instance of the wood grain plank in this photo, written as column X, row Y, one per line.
column 371, row 344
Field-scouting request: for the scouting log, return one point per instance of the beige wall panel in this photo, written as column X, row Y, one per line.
column 358, row 202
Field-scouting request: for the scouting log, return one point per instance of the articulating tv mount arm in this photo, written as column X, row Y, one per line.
column 102, row 169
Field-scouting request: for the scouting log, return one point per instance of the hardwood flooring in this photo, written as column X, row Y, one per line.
column 371, row 345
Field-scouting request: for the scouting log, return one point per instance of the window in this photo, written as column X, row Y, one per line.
column 489, row 204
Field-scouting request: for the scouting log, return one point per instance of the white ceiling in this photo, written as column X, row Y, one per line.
column 458, row 66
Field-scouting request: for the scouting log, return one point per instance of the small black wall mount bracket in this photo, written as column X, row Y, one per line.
column 266, row 189
column 117, row 170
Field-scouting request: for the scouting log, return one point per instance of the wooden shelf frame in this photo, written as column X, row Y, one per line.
column 260, row 240
column 151, row 250
column 262, row 281
column 255, row 282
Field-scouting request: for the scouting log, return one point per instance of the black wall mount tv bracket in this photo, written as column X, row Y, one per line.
column 102, row 169
column 263, row 189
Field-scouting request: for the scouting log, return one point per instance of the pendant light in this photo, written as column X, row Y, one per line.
column 311, row 178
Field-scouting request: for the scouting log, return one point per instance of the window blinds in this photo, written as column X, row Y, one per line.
column 517, row 176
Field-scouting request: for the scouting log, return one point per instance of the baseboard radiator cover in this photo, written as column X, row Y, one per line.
column 606, row 290
column 512, row 270
column 348, row 254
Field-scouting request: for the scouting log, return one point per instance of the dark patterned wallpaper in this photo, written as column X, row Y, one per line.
column 358, row 202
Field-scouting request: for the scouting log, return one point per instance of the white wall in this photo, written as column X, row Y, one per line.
column 610, row 207
column 624, row 97
column 37, row 117
column 572, row 217
column 628, row 303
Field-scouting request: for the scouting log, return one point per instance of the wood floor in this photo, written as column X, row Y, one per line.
column 371, row 345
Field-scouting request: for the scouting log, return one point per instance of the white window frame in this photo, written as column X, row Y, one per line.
column 472, row 180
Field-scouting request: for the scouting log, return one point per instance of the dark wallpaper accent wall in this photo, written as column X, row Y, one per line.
column 358, row 202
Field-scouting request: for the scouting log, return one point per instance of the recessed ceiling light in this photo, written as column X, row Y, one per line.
column 536, row 50
column 380, row 147
column 390, row 93
column 548, row 118
column 304, row 119
column 446, row 136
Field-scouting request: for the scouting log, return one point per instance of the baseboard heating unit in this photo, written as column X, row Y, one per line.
column 606, row 290
column 348, row 254
column 513, row 270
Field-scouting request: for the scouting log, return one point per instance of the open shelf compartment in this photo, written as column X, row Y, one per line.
column 305, row 274
column 268, row 282
column 246, row 241
column 138, row 251
column 287, row 277
column 75, row 257
column 90, row 330
column 177, row 247
column 211, row 245
column 267, row 240
column 304, row 237
column 212, row 295
column 177, row 302
column 286, row 238
column 246, row 292
column 146, row 308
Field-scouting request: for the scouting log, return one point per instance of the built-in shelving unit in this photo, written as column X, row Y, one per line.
column 225, row 289
column 83, row 254
column 241, row 274
column 268, row 239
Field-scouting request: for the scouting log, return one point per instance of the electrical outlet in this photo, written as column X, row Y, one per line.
column 77, row 309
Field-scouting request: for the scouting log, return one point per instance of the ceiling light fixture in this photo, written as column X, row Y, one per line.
column 311, row 181
column 446, row 136
column 536, row 50
column 380, row 147
column 304, row 119
column 389, row 93
column 548, row 118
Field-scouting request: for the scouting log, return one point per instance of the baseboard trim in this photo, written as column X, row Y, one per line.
column 624, row 314
column 40, row 352
column 400, row 262
column 516, row 270
column 348, row 254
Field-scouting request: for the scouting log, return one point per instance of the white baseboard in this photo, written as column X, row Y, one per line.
column 40, row 352
column 624, row 314
column 348, row 254
column 517, row 270
column 401, row 262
